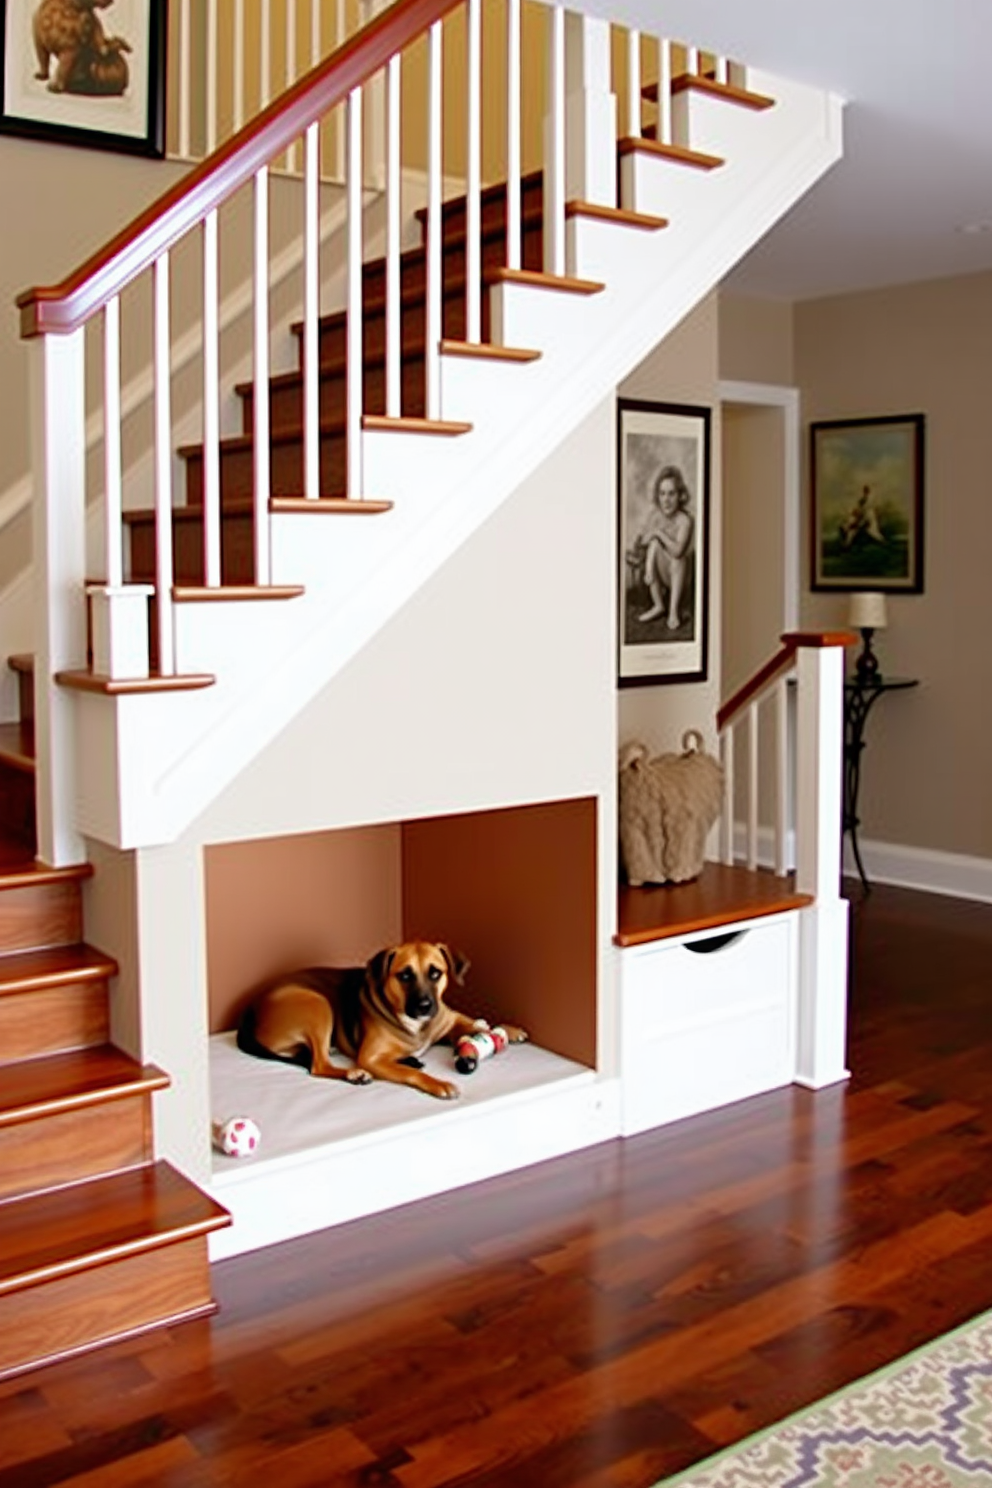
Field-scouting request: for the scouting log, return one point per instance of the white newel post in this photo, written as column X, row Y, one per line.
column 590, row 112
column 58, row 435
column 822, row 1005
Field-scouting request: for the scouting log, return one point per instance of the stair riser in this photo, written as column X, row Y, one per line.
column 17, row 806
column 286, row 403
column 237, row 539
column 42, row 1324
column 492, row 252
column 38, row 915
column 238, row 475
column 51, row 1020
column 76, row 1144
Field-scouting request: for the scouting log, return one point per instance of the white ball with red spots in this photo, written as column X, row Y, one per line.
column 237, row 1137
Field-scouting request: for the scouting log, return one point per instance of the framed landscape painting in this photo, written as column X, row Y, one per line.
column 866, row 517
column 75, row 72
column 663, row 452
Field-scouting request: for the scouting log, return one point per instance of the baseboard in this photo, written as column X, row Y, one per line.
column 925, row 868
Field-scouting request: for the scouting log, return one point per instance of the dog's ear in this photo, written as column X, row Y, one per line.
column 377, row 970
column 458, row 965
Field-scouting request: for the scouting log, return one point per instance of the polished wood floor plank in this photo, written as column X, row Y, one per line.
column 601, row 1321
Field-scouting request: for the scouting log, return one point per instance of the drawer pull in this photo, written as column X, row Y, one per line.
column 713, row 942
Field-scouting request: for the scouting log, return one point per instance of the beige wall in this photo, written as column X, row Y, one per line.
column 922, row 348
column 757, row 340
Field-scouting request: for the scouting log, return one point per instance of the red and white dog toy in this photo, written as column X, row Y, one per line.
column 482, row 1044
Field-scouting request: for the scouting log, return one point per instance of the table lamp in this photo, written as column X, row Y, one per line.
column 867, row 614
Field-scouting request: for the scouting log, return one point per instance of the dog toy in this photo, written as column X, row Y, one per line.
column 237, row 1137
column 483, row 1044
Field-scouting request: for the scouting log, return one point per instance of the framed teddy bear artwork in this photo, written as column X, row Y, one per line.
column 85, row 72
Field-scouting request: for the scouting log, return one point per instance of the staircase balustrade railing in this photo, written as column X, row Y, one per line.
column 129, row 285
column 803, row 784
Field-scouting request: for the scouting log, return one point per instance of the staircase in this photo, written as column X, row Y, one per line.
column 450, row 372
column 98, row 1241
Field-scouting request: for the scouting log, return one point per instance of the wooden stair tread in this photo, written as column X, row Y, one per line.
column 566, row 283
column 127, row 686
column 59, row 1232
column 22, row 661
column 17, row 746
column 410, row 351
column 356, row 506
column 678, row 154
column 382, row 423
column 721, row 895
column 234, row 593
column 65, row 1082
column 689, row 82
column 29, row 971
column 618, row 215
column 19, row 868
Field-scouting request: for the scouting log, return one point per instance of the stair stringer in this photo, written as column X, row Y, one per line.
column 154, row 763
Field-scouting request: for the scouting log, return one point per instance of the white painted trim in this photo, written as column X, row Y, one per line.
column 332, row 1185
column 770, row 395
column 926, row 868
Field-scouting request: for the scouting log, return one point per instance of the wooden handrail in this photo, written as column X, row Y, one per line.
column 64, row 307
column 773, row 668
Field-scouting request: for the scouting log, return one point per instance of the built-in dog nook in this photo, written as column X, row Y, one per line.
column 514, row 890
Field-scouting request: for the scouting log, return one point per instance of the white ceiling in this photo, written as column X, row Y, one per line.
column 917, row 169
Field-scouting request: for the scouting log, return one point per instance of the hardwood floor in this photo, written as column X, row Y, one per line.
column 601, row 1321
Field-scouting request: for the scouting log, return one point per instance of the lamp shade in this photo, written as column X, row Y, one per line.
column 867, row 611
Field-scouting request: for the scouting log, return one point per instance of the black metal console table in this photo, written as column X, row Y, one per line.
column 859, row 697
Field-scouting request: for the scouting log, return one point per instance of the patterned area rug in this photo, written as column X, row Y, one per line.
column 923, row 1422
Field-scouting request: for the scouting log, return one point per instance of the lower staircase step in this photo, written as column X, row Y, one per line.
column 52, row 1001
column 72, row 1116
column 99, row 1261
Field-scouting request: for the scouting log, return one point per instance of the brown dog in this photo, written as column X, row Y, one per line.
column 383, row 1016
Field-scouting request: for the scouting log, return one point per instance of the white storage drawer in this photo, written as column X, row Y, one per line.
column 706, row 1020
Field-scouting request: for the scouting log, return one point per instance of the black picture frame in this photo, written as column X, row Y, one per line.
column 867, row 479
column 105, row 91
column 663, row 526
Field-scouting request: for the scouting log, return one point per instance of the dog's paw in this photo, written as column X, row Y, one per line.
column 517, row 1035
column 444, row 1090
column 356, row 1076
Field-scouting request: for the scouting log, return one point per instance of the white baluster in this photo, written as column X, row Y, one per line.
column 554, row 174
column 185, row 68
column 289, row 73
column 163, row 470
column 113, row 537
column 239, row 64
column 434, row 229
column 355, row 351
column 513, row 247
column 260, row 400
column 634, row 84
column 394, row 308
column 311, row 315
column 692, row 63
column 473, row 201
column 211, row 404
column 781, row 776
column 340, row 129
column 752, row 785
column 664, row 92
column 265, row 54
column 211, row 76
column 722, row 70
column 727, row 821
